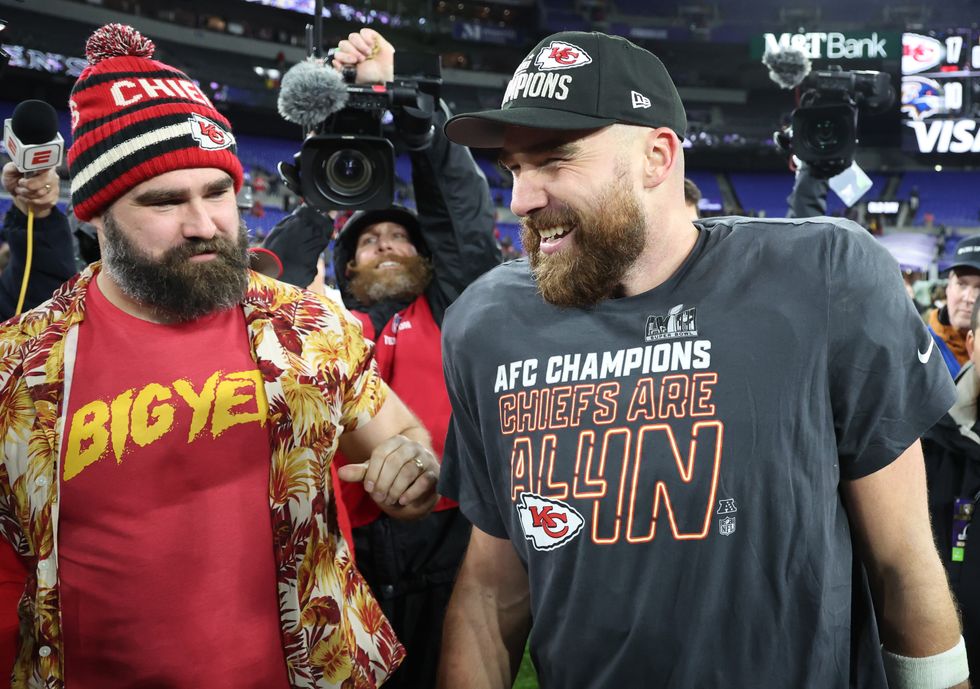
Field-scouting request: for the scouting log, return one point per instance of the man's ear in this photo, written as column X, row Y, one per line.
column 349, row 269
column 662, row 150
column 971, row 341
column 98, row 223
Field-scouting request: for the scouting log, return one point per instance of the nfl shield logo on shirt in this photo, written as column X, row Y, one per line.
column 726, row 526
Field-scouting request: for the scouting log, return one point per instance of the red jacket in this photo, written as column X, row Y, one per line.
column 409, row 355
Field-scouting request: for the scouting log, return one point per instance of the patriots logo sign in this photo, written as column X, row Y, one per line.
column 561, row 55
column 547, row 523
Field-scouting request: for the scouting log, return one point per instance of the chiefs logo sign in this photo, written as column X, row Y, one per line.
column 561, row 55
column 547, row 523
column 209, row 135
column 920, row 53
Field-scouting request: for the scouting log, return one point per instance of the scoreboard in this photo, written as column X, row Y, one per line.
column 940, row 97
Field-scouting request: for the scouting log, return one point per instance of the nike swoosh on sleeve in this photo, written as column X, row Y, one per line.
column 924, row 356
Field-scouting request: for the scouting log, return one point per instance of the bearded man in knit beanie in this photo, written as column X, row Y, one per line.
column 168, row 420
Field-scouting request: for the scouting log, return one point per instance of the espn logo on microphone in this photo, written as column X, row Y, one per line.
column 32, row 157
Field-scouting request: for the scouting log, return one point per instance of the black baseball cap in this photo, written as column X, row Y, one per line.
column 578, row 80
column 967, row 254
column 359, row 221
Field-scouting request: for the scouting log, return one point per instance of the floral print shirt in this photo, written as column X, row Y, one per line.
column 320, row 380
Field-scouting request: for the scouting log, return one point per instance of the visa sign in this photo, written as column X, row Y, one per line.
column 946, row 136
column 833, row 45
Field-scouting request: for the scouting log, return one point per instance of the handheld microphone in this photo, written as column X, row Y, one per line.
column 311, row 91
column 31, row 136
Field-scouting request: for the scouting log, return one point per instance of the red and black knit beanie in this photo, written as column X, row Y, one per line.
column 133, row 118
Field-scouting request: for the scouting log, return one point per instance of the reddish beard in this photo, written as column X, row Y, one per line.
column 369, row 284
column 605, row 244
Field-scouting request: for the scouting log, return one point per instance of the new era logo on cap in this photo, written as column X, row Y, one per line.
column 639, row 100
column 561, row 55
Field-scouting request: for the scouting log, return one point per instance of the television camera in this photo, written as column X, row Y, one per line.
column 347, row 160
column 824, row 126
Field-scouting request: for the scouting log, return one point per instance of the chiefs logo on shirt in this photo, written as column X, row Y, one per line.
column 561, row 55
column 548, row 524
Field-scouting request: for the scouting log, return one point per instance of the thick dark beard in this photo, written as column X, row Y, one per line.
column 370, row 285
column 179, row 289
column 607, row 243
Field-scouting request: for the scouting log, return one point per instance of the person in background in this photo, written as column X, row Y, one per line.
column 952, row 453
column 692, row 197
column 169, row 421
column 508, row 251
column 652, row 448
column 53, row 260
column 398, row 271
column 950, row 324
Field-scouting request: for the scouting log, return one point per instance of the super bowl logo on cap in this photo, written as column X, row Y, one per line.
column 209, row 135
column 561, row 55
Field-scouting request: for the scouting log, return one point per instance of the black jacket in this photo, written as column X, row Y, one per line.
column 53, row 260
column 952, row 451
column 456, row 221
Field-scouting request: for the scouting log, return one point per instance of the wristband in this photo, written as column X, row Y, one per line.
column 939, row 671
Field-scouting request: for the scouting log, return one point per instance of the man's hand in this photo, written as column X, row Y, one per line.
column 401, row 473
column 372, row 55
column 39, row 191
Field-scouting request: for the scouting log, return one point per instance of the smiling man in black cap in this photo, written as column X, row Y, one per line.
column 664, row 462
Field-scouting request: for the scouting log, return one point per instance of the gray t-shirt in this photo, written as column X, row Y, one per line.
column 667, row 465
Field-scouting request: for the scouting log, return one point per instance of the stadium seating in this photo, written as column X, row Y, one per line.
column 950, row 197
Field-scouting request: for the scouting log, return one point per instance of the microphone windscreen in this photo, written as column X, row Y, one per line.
column 34, row 122
column 311, row 91
column 787, row 67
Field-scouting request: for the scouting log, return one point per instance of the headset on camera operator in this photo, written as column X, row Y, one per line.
column 398, row 271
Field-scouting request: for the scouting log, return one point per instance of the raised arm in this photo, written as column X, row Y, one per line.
column 451, row 193
column 53, row 260
column 890, row 521
column 456, row 214
column 488, row 618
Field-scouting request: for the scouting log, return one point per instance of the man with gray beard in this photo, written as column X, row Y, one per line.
column 168, row 422
column 697, row 519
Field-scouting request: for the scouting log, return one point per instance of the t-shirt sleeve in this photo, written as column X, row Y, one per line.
column 465, row 475
column 888, row 384
column 364, row 391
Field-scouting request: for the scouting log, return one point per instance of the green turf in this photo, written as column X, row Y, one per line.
column 526, row 677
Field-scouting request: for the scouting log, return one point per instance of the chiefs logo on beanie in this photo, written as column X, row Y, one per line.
column 133, row 118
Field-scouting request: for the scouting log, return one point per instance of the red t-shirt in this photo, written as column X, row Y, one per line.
column 166, row 568
column 13, row 576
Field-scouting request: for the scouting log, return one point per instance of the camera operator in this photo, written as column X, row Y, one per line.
column 54, row 254
column 398, row 272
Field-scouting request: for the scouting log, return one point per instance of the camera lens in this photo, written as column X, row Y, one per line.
column 826, row 133
column 348, row 172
